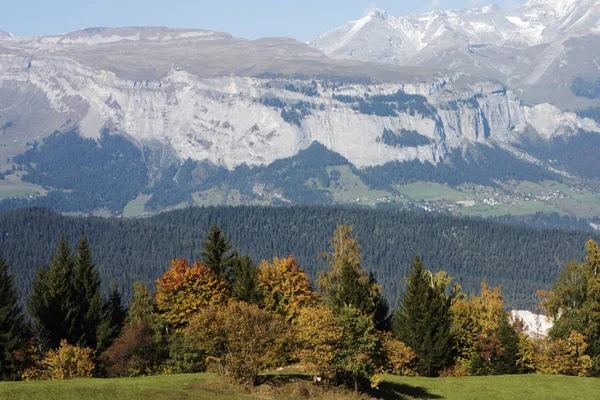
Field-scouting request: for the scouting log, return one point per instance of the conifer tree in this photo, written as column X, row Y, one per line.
column 505, row 362
column 88, row 295
column 52, row 302
column 245, row 285
column 13, row 330
column 422, row 321
column 141, row 308
column 381, row 316
column 112, row 320
column 217, row 254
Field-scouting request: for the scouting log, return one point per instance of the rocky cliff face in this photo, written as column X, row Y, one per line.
column 231, row 116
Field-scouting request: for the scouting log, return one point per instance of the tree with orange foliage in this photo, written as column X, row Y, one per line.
column 183, row 290
column 284, row 287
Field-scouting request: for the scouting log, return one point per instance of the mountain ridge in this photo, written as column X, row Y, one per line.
column 527, row 48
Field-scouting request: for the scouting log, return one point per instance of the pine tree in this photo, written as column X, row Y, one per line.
column 506, row 361
column 52, row 302
column 13, row 330
column 245, row 285
column 381, row 316
column 422, row 321
column 217, row 254
column 89, row 296
column 112, row 321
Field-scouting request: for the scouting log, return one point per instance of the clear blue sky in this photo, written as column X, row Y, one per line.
column 303, row 20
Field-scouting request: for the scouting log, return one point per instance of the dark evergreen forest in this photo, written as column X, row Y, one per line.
column 519, row 258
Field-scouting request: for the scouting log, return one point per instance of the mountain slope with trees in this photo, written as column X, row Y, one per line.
column 522, row 260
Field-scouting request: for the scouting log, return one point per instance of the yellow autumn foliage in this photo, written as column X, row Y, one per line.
column 66, row 362
column 183, row 290
column 284, row 287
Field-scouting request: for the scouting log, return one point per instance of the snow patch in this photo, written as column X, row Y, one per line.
column 536, row 325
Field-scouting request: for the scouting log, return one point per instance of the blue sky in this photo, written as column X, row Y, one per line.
column 303, row 20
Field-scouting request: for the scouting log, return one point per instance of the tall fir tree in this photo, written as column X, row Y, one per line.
column 422, row 321
column 505, row 362
column 88, row 295
column 13, row 330
column 141, row 308
column 217, row 254
column 52, row 302
column 382, row 317
column 112, row 320
column 245, row 284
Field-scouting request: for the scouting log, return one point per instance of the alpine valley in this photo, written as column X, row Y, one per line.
column 475, row 112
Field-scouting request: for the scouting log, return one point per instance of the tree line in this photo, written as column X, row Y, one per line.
column 520, row 259
column 227, row 314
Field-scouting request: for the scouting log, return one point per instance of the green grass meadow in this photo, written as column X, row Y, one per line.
column 209, row 386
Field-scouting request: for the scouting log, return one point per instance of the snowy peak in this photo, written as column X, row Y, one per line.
column 381, row 37
column 378, row 14
column 538, row 48
column 5, row 34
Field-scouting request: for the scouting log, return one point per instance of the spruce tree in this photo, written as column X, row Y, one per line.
column 245, row 284
column 112, row 321
column 381, row 314
column 141, row 308
column 89, row 296
column 13, row 330
column 53, row 302
column 422, row 321
column 217, row 254
column 505, row 362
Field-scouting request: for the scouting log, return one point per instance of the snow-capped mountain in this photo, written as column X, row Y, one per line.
column 208, row 96
column 223, row 106
column 5, row 34
column 526, row 48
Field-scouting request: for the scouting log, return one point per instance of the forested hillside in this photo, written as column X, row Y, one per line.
column 520, row 259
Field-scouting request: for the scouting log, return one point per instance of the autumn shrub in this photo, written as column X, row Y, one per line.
column 243, row 338
column 139, row 350
column 66, row 362
column 564, row 356
column 398, row 357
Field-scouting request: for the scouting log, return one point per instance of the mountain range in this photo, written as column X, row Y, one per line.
column 480, row 104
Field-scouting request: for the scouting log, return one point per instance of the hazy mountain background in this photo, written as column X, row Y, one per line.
column 474, row 112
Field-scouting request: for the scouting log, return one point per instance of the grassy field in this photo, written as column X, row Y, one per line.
column 349, row 188
column 207, row 386
column 431, row 192
column 135, row 208
column 16, row 188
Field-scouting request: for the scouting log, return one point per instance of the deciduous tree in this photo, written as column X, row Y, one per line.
column 241, row 337
column 284, row 287
column 183, row 290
